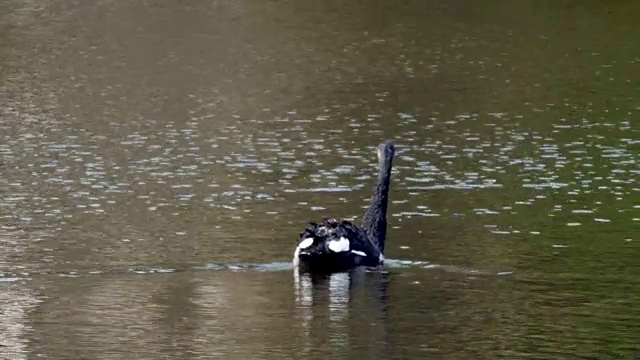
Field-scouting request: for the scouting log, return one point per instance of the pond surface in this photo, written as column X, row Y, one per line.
column 158, row 160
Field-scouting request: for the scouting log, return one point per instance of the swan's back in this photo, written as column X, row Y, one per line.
column 335, row 246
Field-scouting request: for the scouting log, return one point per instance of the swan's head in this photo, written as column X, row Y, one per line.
column 386, row 151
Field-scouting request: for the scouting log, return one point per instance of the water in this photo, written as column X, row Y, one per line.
column 158, row 161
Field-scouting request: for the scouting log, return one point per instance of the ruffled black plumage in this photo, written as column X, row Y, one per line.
column 333, row 245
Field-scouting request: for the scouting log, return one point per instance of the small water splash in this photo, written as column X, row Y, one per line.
column 394, row 263
column 10, row 279
column 271, row 266
column 150, row 270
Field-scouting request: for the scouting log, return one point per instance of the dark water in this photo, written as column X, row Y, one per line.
column 158, row 160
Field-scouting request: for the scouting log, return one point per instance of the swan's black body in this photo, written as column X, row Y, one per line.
column 334, row 246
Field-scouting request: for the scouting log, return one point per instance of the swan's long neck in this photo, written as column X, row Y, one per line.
column 374, row 221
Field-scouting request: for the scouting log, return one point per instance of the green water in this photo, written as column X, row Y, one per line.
column 158, row 160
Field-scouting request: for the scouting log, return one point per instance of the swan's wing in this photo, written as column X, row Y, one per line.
column 360, row 244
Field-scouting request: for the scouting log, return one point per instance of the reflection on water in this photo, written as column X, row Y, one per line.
column 228, row 314
column 157, row 163
column 16, row 301
column 351, row 300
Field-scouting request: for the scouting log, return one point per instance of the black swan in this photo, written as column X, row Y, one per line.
column 335, row 246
